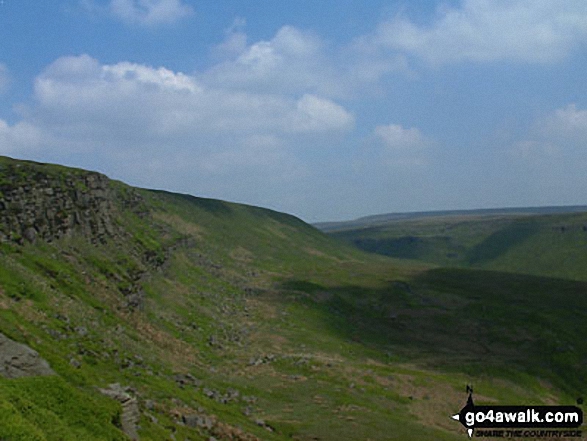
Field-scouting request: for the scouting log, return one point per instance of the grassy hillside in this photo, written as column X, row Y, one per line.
column 544, row 245
column 236, row 322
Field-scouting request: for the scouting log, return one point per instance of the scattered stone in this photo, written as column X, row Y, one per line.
column 150, row 405
column 152, row 418
column 183, row 380
column 232, row 394
column 126, row 363
column 198, row 421
column 63, row 318
column 81, row 331
column 261, row 423
column 214, row 342
column 56, row 335
column 209, row 393
column 30, row 234
column 256, row 361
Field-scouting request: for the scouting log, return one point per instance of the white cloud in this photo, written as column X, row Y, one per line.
column 402, row 146
column 568, row 122
column 4, row 78
column 295, row 61
column 148, row 12
column 22, row 137
column 158, row 119
column 156, row 101
column 255, row 152
column 395, row 136
column 537, row 31
column 549, row 163
column 290, row 62
column 560, row 134
column 160, row 128
column 316, row 114
column 235, row 42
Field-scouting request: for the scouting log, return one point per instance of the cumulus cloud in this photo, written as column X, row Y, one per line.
column 174, row 130
column 235, row 42
column 255, row 153
column 568, row 122
column 401, row 145
column 395, row 136
column 20, row 138
column 297, row 61
column 151, row 101
column 537, row 31
column 560, row 134
column 142, row 12
column 128, row 112
column 291, row 61
column 317, row 114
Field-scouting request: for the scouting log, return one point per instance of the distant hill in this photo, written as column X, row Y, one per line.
column 128, row 313
column 380, row 219
column 540, row 241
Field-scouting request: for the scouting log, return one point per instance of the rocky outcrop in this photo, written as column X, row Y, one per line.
column 18, row 360
column 129, row 419
column 46, row 203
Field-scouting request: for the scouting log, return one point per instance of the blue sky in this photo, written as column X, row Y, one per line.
column 328, row 110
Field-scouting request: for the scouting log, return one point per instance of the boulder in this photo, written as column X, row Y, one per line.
column 18, row 360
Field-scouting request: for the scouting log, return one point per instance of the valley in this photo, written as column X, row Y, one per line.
column 167, row 316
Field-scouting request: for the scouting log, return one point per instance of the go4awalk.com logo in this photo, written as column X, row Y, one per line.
column 520, row 421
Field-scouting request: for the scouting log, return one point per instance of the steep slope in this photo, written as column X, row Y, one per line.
column 166, row 316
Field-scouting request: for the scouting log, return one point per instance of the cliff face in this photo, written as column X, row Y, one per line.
column 40, row 202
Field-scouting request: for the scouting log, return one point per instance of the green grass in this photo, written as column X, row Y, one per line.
column 50, row 409
column 543, row 245
column 320, row 340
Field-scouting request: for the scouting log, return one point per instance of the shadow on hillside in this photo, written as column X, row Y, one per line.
column 473, row 320
column 501, row 241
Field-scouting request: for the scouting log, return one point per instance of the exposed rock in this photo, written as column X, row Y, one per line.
column 256, row 361
column 153, row 418
column 39, row 202
column 30, row 234
column 183, row 380
column 149, row 405
column 18, row 360
column 261, row 423
column 199, row 421
column 81, row 331
column 49, row 207
column 130, row 408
